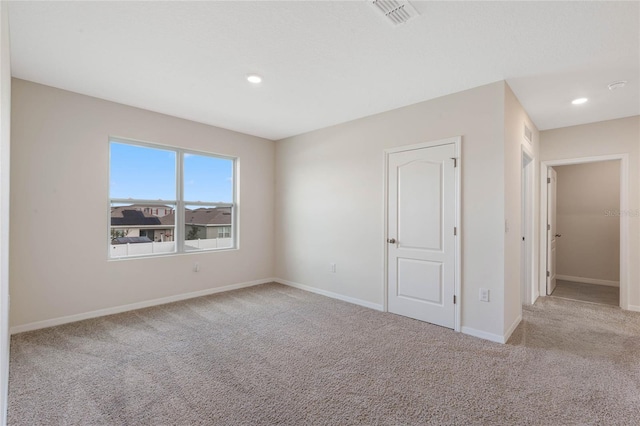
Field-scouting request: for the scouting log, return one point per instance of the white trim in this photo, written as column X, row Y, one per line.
column 584, row 280
column 526, row 148
column 457, row 142
column 439, row 142
column 512, row 328
column 482, row 334
column 385, row 245
column 527, row 196
column 5, row 215
column 458, row 239
column 167, row 147
column 493, row 337
column 179, row 203
column 624, row 219
column 133, row 306
column 634, row 308
column 330, row 294
column 542, row 248
column 625, row 259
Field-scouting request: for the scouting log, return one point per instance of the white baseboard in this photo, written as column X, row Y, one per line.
column 633, row 308
column 482, row 334
column 490, row 336
column 511, row 329
column 331, row 294
column 588, row 280
column 133, row 306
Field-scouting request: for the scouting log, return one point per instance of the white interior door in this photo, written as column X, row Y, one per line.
column 421, row 219
column 552, row 184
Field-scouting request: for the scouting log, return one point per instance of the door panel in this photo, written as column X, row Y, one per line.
column 420, row 218
column 551, row 229
column 420, row 280
column 421, row 253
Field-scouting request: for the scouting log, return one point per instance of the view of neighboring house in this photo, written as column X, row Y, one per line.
column 157, row 223
column 138, row 220
column 207, row 223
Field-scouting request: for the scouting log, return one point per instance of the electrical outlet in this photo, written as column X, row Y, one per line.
column 196, row 267
column 484, row 294
column 332, row 267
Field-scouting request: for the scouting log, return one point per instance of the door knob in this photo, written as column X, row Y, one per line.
column 391, row 240
column 558, row 235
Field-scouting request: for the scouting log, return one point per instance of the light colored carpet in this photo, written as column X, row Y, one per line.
column 275, row 355
column 587, row 292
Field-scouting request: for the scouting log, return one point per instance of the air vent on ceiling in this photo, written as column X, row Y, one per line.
column 397, row 12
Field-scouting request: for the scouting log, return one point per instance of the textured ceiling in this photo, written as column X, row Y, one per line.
column 329, row 62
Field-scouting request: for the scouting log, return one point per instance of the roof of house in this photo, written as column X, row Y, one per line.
column 116, row 211
column 128, row 217
column 202, row 216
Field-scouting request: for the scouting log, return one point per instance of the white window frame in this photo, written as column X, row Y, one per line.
column 222, row 231
column 179, row 232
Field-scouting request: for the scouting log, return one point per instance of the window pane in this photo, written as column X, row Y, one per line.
column 144, row 195
column 207, row 228
column 140, row 229
column 208, row 179
column 140, row 172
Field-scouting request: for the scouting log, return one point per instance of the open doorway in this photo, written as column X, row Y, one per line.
column 583, row 202
column 587, row 237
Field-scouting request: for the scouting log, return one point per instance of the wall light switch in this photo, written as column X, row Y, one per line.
column 484, row 294
column 332, row 267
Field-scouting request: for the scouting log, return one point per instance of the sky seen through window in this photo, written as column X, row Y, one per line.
column 141, row 172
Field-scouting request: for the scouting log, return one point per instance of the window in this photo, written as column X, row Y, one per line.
column 224, row 232
column 169, row 200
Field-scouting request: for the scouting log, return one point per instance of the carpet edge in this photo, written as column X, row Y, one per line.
column 37, row 325
column 353, row 300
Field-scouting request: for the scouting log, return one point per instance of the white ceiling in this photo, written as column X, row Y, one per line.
column 329, row 62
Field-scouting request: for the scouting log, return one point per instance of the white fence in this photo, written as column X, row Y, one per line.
column 141, row 249
column 210, row 243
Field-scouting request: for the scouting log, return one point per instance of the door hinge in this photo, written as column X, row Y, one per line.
column 454, row 299
column 455, row 161
column 548, row 274
column 548, row 180
column 455, row 230
column 548, row 227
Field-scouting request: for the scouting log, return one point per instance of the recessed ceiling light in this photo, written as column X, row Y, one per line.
column 616, row 85
column 579, row 101
column 254, row 78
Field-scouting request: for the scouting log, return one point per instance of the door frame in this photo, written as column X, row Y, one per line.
column 624, row 219
column 528, row 254
column 457, row 142
column 552, row 233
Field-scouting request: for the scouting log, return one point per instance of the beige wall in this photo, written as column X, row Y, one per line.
column 590, row 242
column 5, row 119
column 604, row 138
column 330, row 200
column 60, row 158
column 515, row 118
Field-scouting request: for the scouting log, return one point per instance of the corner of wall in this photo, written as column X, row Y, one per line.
column 61, row 286
column 515, row 143
column 5, row 119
